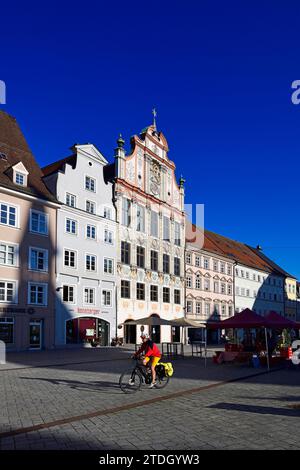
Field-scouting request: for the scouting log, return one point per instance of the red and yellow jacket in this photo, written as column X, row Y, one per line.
column 150, row 348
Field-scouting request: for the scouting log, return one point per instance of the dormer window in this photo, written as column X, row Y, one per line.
column 20, row 179
column 20, row 174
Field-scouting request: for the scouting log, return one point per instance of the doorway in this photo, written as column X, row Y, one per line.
column 130, row 333
column 35, row 335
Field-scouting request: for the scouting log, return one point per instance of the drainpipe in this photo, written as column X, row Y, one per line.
column 117, row 248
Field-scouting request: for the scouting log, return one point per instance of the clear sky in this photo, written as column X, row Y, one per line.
column 219, row 74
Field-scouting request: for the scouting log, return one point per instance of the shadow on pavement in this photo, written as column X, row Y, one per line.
column 270, row 410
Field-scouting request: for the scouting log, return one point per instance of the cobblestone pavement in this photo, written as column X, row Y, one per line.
column 200, row 408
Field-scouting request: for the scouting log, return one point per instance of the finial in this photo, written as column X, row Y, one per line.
column 181, row 181
column 154, row 112
column 120, row 141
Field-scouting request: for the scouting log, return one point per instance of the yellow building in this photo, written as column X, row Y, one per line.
column 290, row 298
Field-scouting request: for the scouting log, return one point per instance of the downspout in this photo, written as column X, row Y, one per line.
column 117, row 247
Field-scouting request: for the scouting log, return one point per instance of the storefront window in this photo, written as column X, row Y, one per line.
column 7, row 330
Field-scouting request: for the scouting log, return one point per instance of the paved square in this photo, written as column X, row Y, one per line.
column 71, row 400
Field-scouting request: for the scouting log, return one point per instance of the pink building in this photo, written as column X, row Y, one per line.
column 27, row 245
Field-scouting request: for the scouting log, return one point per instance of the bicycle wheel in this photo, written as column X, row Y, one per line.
column 162, row 381
column 130, row 381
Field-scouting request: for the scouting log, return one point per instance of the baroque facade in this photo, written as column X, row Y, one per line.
column 151, row 235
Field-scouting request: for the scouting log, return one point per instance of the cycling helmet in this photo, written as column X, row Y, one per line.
column 145, row 335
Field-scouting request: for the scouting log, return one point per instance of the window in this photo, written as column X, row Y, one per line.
column 222, row 268
column 71, row 226
column 154, row 293
column 38, row 259
column 90, row 184
column 230, row 310
column 140, row 218
column 237, row 290
column 91, row 232
column 189, row 306
column 20, row 179
column 125, row 289
column 108, row 236
column 154, row 260
column 38, row 222
column 188, row 282
column 243, row 291
column 258, row 278
column 254, row 277
column 166, row 263
column 198, row 261
column 140, row 256
column 8, row 291
column 198, row 308
column 8, row 215
column 126, row 212
column 8, row 254
column 166, row 228
column 216, row 287
column 7, row 330
column 206, row 284
column 216, row 265
column 140, row 291
column 254, row 293
column 70, row 258
column 206, row 263
column 108, row 266
column 154, row 224
column 188, row 258
column 125, row 252
column 90, row 262
column 177, row 238
column 90, row 207
column 37, row 294
column 89, row 296
column 229, row 289
column 198, row 282
column 236, row 272
column 223, row 310
column 207, row 309
column 68, row 294
column 166, row 295
column 223, row 288
column 242, row 273
column 70, row 200
column 247, row 292
column 176, row 296
column 177, row 266
column 247, row 274
column 229, row 270
column 107, row 213
column 106, row 298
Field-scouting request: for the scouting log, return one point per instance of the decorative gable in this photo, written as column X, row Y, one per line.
column 20, row 174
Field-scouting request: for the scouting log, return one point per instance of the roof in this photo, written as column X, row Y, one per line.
column 59, row 165
column 235, row 251
column 109, row 172
column 14, row 146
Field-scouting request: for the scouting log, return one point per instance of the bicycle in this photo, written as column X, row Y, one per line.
column 132, row 379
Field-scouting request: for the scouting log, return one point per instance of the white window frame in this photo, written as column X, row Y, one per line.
column 92, row 204
column 198, row 308
column 198, row 261
column 126, row 212
column 15, row 300
column 45, row 285
column 76, row 226
column 74, row 294
column 188, row 258
column 112, row 236
column 154, row 224
column 206, row 263
column 71, row 196
column 40, row 213
column 85, row 264
column 16, row 214
column 140, row 218
column 177, row 233
column 104, row 304
column 189, row 306
column 86, row 232
column 166, row 229
column 112, row 265
column 189, row 282
column 17, row 174
column 42, row 250
column 16, row 254
column 91, row 179
column 75, row 258
column 107, row 210
column 94, row 295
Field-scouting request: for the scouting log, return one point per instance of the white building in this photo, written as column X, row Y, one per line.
column 150, row 211
column 86, row 248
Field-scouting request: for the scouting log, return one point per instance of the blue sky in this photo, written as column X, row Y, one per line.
column 219, row 74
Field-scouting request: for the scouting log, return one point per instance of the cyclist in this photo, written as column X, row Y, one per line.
column 151, row 352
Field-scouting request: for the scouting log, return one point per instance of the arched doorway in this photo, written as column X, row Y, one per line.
column 129, row 333
column 87, row 330
column 154, row 330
